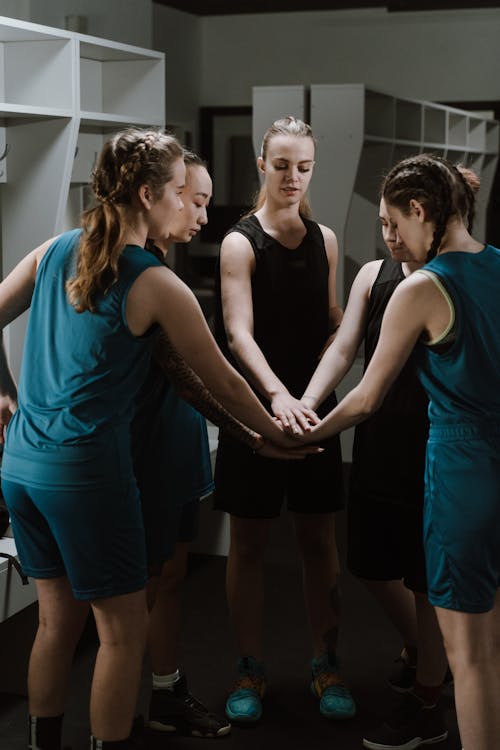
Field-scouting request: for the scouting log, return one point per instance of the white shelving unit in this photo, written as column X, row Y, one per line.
column 360, row 134
column 61, row 95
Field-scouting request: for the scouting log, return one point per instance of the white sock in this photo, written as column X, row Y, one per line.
column 165, row 681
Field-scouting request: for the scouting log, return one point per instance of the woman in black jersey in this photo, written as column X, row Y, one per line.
column 277, row 311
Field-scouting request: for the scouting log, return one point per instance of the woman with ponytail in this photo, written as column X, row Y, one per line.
column 277, row 311
column 448, row 311
column 97, row 301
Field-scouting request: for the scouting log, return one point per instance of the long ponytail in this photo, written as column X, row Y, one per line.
column 131, row 158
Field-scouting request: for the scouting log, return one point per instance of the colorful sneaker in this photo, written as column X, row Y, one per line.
column 336, row 701
column 244, row 703
column 410, row 725
column 178, row 711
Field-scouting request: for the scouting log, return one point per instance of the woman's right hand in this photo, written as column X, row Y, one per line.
column 271, row 450
column 8, row 406
column 294, row 416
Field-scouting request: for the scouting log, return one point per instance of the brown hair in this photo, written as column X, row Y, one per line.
column 444, row 189
column 133, row 157
column 288, row 125
column 193, row 160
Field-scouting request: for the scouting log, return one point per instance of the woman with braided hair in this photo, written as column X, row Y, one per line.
column 97, row 301
column 448, row 311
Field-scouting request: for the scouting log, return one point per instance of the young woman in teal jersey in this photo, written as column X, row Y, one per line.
column 450, row 310
column 96, row 300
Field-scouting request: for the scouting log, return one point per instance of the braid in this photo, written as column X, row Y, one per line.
column 131, row 158
column 443, row 189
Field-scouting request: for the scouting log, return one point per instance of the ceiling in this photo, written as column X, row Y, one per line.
column 236, row 7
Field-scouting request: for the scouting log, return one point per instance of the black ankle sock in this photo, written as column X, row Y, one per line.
column 133, row 741
column 96, row 744
column 45, row 732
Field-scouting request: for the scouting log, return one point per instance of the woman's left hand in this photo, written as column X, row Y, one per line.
column 294, row 416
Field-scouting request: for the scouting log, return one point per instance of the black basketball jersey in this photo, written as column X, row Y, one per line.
column 290, row 303
column 389, row 448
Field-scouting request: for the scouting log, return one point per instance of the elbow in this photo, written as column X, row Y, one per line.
column 368, row 404
column 233, row 343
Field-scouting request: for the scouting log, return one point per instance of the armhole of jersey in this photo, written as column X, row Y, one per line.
column 130, row 283
column 248, row 237
column 437, row 281
column 376, row 277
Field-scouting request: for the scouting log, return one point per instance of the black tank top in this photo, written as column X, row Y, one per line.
column 389, row 448
column 290, row 303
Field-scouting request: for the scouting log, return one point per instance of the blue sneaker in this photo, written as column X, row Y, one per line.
column 244, row 703
column 335, row 700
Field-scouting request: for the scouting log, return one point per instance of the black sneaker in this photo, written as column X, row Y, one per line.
column 448, row 678
column 178, row 711
column 403, row 676
column 410, row 725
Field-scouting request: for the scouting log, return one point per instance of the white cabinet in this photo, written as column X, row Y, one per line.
column 87, row 149
column 61, row 95
column 120, row 83
column 14, row 595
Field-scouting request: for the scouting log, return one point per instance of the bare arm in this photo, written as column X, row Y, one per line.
column 340, row 355
column 412, row 311
column 160, row 296
column 237, row 263
column 334, row 311
column 16, row 291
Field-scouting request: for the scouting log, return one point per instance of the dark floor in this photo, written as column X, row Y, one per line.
column 367, row 648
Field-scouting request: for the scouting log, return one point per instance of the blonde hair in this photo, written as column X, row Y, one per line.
column 133, row 157
column 288, row 125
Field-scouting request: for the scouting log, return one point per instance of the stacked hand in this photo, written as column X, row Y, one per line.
column 295, row 419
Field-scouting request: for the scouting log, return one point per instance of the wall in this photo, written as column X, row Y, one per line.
column 442, row 55
column 178, row 34
column 129, row 22
column 16, row 9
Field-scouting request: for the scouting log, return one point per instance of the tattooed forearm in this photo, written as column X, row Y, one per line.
column 192, row 389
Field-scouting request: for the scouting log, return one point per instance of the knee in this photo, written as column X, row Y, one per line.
column 172, row 577
column 317, row 545
column 65, row 630
column 248, row 548
column 471, row 652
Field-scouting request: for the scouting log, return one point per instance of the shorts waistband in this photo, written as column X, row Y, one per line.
column 465, row 430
